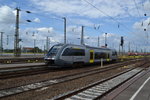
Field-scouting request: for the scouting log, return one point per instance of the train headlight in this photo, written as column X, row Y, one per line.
column 52, row 58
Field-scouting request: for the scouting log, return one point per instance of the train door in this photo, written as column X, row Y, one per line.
column 91, row 56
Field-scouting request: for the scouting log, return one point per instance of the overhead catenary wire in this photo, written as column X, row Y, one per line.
column 102, row 11
column 142, row 24
column 108, row 15
column 125, row 27
column 144, row 9
column 137, row 8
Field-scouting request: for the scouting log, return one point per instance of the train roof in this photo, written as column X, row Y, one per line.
column 98, row 48
column 85, row 46
column 61, row 44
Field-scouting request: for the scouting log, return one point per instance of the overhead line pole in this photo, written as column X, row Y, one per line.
column 82, row 35
column 47, row 43
column 16, row 42
column 1, row 45
column 98, row 41
column 129, row 47
column 64, row 30
column 34, row 46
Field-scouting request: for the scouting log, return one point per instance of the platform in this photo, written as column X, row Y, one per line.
column 138, row 90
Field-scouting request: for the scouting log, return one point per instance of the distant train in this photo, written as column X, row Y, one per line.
column 74, row 55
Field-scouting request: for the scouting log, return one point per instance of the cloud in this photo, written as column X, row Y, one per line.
column 81, row 8
column 147, row 7
column 78, row 13
column 38, row 33
column 7, row 15
column 7, row 20
column 7, row 23
column 83, row 22
column 45, row 29
column 37, row 20
column 141, row 25
column 139, row 36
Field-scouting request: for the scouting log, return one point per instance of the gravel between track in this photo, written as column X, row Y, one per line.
column 49, row 92
column 8, row 83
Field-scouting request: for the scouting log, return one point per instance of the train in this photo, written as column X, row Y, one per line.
column 78, row 55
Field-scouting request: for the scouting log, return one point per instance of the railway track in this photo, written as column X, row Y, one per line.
column 97, row 90
column 22, row 71
column 12, row 72
column 20, row 89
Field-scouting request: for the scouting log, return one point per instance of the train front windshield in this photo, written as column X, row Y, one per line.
column 53, row 51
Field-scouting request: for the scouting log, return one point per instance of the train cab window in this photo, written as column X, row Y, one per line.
column 67, row 52
column 53, row 51
column 73, row 52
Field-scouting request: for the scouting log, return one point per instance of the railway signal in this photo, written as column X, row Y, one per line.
column 121, row 44
column 122, row 41
column 106, row 40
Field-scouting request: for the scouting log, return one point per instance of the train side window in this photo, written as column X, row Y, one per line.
column 67, row 52
column 99, row 55
column 103, row 55
column 79, row 52
column 73, row 52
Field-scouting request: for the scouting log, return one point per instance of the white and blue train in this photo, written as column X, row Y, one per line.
column 70, row 54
